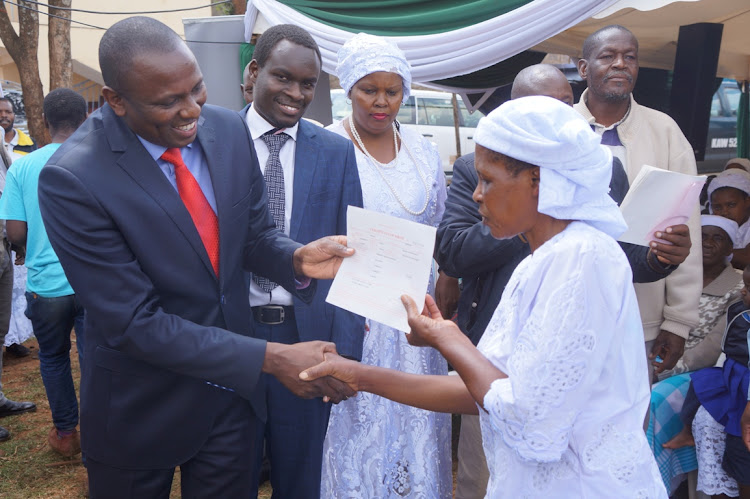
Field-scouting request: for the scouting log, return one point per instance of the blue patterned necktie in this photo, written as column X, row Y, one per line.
column 274, row 177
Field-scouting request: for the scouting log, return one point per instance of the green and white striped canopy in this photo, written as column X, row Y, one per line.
column 444, row 40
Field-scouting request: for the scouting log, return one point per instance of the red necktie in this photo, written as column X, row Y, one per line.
column 195, row 201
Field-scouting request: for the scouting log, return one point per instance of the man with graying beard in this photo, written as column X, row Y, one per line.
column 641, row 136
column 466, row 249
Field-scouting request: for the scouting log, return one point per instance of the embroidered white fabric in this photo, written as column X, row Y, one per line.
column 568, row 420
column 710, row 442
column 375, row 447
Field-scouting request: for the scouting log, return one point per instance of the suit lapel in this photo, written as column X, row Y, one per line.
column 305, row 164
column 218, row 170
column 142, row 168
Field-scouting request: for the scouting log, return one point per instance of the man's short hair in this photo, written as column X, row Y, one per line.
column 6, row 99
column 127, row 39
column 592, row 41
column 275, row 34
column 64, row 109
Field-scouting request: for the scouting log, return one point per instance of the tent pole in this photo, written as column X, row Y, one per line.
column 456, row 125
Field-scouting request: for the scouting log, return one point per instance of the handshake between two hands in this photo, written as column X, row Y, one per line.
column 314, row 369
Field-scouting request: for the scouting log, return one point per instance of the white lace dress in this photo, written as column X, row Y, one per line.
column 710, row 442
column 376, row 448
column 568, row 421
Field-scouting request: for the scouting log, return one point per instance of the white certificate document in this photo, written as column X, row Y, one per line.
column 393, row 257
column 657, row 199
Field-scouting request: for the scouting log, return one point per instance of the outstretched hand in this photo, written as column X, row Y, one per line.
column 335, row 367
column 677, row 246
column 322, row 258
column 427, row 328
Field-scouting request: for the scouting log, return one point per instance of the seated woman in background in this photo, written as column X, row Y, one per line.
column 729, row 196
column 741, row 163
column 721, row 286
column 714, row 406
column 559, row 377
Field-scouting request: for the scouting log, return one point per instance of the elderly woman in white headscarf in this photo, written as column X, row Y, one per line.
column 559, row 377
column 375, row 447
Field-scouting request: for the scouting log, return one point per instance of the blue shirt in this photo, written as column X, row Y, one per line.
column 194, row 159
column 20, row 201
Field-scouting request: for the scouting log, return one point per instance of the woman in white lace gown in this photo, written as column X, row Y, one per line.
column 558, row 378
column 375, row 447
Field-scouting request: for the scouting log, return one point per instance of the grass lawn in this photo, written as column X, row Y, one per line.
column 28, row 467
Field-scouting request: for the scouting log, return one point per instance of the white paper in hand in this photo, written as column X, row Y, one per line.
column 657, row 199
column 392, row 257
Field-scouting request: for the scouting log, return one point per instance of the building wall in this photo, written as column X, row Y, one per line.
column 85, row 40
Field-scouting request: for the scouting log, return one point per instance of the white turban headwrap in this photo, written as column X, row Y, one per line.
column 734, row 177
column 743, row 162
column 575, row 169
column 365, row 54
column 729, row 226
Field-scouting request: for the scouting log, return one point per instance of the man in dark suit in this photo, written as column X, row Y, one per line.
column 466, row 249
column 318, row 180
column 153, row 229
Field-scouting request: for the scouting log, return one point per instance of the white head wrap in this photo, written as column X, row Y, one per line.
column 734, row 177
column 575, row 169
column 365, row 54
column 729, row 226
column 743, row 162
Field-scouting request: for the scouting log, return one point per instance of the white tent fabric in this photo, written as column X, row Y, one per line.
column 453, row 53
column 642, row 5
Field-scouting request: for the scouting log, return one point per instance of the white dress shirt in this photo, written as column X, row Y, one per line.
column 258, row 126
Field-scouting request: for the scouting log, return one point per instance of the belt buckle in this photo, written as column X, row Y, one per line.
column 278, row 308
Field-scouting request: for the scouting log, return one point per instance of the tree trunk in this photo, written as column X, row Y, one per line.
column 60, row 61
column 23, row 48
column 240, row 6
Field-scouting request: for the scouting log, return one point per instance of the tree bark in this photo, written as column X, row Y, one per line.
column 240, row 6
column 60, row 61
column 23, row 48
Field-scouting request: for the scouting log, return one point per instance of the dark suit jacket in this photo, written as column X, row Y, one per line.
column 326, row 182
column 465, row 248
column 159, row 324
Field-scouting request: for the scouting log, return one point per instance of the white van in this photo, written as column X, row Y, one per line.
column 431, row 114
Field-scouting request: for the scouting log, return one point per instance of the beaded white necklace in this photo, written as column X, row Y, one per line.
column 377, row 165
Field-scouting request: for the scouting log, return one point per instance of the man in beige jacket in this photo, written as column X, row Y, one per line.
column 642, row 136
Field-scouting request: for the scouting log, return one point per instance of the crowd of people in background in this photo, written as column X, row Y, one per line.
column 190, row 248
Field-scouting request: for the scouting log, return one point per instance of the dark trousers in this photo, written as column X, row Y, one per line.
column 222, row 468
column 689, row 407
column 53, row 320
column 6, row 303
column 294, row 431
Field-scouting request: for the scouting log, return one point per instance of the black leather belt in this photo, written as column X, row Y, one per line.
column 273, row 314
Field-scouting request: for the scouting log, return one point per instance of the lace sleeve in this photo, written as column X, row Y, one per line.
column 566, row 330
